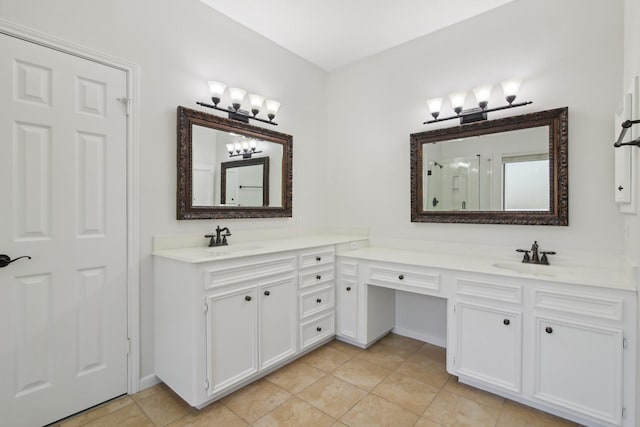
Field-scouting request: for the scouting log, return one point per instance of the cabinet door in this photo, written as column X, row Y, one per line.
column 489, row 345
column 579, row 367
column 232, row 337
column 277, row 321
column 347, row 308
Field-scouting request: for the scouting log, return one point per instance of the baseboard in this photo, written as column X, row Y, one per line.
column 149, row 381
column 431, row 339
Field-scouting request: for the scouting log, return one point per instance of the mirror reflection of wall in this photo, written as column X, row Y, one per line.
column 493, row 172
column 209, row 151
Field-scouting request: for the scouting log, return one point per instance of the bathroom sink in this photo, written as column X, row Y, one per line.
column 534, row 269
column 231, row 250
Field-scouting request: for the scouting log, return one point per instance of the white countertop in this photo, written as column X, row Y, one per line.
column 618, row 278
column 259, row 247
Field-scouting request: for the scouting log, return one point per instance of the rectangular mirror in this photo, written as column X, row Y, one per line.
column 230, row 169
column 506, row 171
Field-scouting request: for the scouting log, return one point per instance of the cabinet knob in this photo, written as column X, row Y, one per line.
column 247, row 298
column 318, row 258
column 319, row 300
column 319, row 329
column 548, row 329
column 267, row 293
column 348, row 288
column 506, row 322
column 401, row 277
column 318, row 277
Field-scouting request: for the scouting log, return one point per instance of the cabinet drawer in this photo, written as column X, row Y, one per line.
column 346, row 268
column 584, row 305
column 317, row 277
column 237, row 271
column 317, row 329
column 313, row 302
column 398, row 277
column 318, row 256
column 490, row 290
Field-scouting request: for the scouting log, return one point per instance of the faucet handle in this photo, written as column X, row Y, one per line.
column 212, row 242
column 526, row 257
column 544, row 260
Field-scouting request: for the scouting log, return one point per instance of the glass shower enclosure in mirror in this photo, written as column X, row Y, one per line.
column 508, row 171
column 230, row 169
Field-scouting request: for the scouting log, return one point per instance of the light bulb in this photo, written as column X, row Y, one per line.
column 256, row 103
column 237, row 97
column 434, row 106
column 457, row 101
column 482, row 94
column 510, row 89
column 216, row 89
column 272, row 108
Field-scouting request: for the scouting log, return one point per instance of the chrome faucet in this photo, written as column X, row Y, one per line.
column 219, row 239
column 535, row 257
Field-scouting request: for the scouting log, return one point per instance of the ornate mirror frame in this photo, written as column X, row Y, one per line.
column 184, row 209
column 558, row 213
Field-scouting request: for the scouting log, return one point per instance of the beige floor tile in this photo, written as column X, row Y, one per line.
column 164, row 407
column 339, row 424
column 214, row 415
column 515, row 414
column 405, row 343
column 349, row 349
column 480, row 396
column 326, row 358
column 408, row 392
column 296, row 376
column 129, row 416
column 361, row 373
column 100, row 411
column 149, row 391
column 295, row 412
column 373, row 411
column 255, row 400
column 426, row 422
column 424, row 369
column 433, row 352
column 456, row 411
column 386, row 356
column 332, row 395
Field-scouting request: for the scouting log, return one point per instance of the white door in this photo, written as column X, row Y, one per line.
column 63, row 317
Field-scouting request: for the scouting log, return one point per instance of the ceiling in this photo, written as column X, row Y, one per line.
column 334, row 33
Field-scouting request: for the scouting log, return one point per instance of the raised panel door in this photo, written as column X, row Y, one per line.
column 277, row 321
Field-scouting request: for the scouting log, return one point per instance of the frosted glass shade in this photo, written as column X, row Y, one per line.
column 230, row 148
column 482, row 93
column 216, row 89
column 237, row 96
column 256, row 102
column 253, row 144
column 272, row 108
column 457, row 100
column 511, row 87
column 434, row 104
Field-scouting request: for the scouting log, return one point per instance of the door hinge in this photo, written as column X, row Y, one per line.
column 206, row 384
column 624, row 412
column 206, row 307
column 127, row 103
column 624, row 343
column 128, row 346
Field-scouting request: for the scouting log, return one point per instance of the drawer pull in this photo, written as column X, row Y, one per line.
column 319, row 300
column 267, row 293
column 319, row 329
column 247, row 298
column 401, row 277
column 318, row 258
column 318, row 277
column 348, row 288
column 548, row 329
column 506, row 322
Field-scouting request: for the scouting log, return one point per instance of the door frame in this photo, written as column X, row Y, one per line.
column 132, row 72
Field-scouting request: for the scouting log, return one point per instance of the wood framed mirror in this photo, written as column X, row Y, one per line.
column 512, row 170
column 205, row 143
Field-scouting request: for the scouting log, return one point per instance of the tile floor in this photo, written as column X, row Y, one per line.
column 397, row 382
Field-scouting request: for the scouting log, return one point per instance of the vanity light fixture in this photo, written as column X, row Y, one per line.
column 244, row 149
column 482, row 95
column 237, row 96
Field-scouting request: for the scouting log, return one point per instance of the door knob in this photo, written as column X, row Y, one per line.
column 267, row 293
column 548, row 329
column 620, row 188
column 6, row 259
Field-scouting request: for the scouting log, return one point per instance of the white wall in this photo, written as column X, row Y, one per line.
column 568, row 53
column 179, row 45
